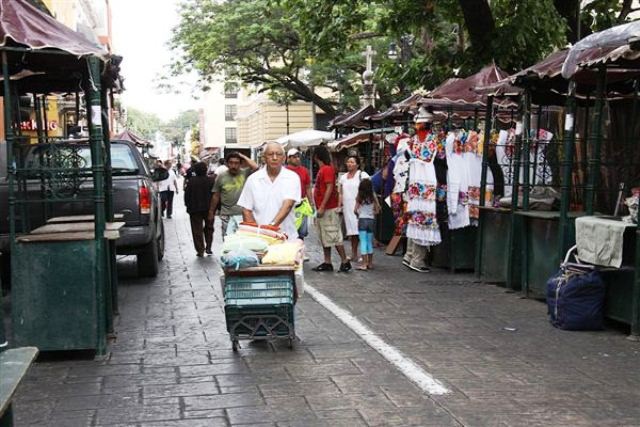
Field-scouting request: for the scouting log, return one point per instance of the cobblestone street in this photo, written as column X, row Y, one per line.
column 172, row 363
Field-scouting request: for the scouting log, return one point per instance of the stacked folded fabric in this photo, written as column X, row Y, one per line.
column 270, row 233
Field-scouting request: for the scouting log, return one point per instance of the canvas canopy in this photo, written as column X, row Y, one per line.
column 26, row 25
column 45, row 56
column 306, row 138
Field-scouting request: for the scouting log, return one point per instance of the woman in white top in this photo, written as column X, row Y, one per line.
column 348, row 188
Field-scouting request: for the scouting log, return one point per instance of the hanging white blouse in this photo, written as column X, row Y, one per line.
column 457, row 183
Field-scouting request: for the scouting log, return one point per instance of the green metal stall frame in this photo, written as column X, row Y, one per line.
column 74, row 306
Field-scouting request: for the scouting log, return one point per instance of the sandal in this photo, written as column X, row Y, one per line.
column 362, row 268
column 323, row 267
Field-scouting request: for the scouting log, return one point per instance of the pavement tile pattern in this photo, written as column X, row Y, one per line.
column 172, row 364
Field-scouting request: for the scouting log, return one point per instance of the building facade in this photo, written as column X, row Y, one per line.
column 233, row 115
column 219, row 126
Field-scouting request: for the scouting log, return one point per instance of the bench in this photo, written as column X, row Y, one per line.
column 14, row 364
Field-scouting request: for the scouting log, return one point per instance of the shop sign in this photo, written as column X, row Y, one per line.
column 32, row 125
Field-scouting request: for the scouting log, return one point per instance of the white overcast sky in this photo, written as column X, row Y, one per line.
column 141, row 29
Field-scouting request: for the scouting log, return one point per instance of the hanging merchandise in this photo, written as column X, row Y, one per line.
column 422, row 183
column 457, row 180
column 398, row 195
column 505, row 153
column 473, row 159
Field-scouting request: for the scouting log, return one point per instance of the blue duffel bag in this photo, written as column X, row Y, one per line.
column 575, row 298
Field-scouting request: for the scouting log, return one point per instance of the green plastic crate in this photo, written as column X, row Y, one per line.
column 248, row 321
column 258, row 287
column 250, row 302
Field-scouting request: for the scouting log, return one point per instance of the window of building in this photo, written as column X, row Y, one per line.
column 231, row 90
column 230, row 112
column 230, row 135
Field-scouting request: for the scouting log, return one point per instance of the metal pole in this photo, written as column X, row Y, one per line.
column 514, row 200
column 9, row 140
column 526, row 126
column 94, row 114
column 567, row 169
column 45, row 126
column 594, row 161
column 111, row 267
column 483, row 183
column 36, row 107
column 635, row 305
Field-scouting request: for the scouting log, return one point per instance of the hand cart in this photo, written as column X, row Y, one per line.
column 259, row 303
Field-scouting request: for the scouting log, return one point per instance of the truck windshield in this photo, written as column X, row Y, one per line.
column 122, row 160
column 79, row 157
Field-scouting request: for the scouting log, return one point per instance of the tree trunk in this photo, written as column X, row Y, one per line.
column 478, row 19
column 568, row 9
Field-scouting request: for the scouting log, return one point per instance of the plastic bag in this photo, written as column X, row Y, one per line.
column 301, row 211
column 239, row 241
column 239, row 258
column 284, row 254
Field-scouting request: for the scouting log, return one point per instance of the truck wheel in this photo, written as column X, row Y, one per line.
column 161, row 242
column 148, row 259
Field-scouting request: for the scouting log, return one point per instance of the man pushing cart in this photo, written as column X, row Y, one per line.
column 260, row 292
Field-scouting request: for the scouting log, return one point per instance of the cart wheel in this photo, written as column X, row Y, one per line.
column 234, row 345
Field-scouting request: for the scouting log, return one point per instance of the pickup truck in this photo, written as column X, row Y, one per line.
column 134, row 195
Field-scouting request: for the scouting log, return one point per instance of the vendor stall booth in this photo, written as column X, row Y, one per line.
column 460, row 108
column 63, row 275
column 570, row 195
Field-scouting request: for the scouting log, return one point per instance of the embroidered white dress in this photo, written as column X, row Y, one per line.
column 457, row 182
column 422, row 225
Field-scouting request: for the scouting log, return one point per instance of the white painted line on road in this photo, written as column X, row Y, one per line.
column 408, row 367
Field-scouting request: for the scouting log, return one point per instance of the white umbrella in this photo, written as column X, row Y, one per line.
column 306, row 138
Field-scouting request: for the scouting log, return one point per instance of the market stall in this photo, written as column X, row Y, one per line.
column 54, row 307
column 461, row 106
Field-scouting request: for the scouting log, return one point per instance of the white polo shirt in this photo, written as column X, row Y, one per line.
column 265, row 197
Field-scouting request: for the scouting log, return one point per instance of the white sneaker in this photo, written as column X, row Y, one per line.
column 419, row 269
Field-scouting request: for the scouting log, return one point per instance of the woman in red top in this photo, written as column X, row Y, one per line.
column 326, row 201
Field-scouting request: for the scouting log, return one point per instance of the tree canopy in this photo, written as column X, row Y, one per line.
column 296, row 46
column 146, row 125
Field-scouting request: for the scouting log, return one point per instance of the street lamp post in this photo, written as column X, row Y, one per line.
column 401, row 54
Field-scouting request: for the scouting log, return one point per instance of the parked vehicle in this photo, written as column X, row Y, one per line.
column 134, row 196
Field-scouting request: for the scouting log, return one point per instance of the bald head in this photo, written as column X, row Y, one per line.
column 273, row 147
column 273, row 156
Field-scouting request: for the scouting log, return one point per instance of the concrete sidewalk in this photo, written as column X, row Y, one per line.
column 172, row 363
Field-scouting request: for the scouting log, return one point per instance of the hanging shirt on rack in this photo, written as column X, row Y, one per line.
column 473, row 159
column 457, row 181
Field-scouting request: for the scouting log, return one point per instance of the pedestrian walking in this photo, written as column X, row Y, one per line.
column 270, row 193
column 197, row 199
column 349, row 183
column 326, row 201
column 302, row 208
column 366, row 208
column 227, row 189
column 165, row 187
